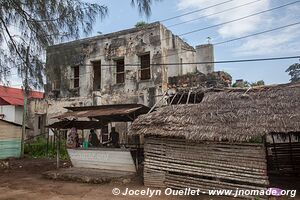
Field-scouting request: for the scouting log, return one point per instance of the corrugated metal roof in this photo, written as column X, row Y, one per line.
column 15, row 96
column 99, row 113
column 81, row 125
column 106, row 113
column 109, row 106
column 12, row 101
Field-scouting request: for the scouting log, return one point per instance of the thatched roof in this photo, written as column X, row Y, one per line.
column 230, row 114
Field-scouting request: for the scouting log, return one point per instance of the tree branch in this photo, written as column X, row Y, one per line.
column 12, row 40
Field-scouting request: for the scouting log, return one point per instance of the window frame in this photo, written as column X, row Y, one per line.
column 120, row 74
column 96, row 64
column 76, row 78
column 147, row 68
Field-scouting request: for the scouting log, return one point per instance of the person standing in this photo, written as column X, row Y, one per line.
column 114, row 137
column 72, row 138
column 93, row 139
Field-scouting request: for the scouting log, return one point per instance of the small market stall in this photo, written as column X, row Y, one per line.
column 123, row 157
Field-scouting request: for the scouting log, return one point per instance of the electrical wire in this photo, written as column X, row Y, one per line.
column 195, row 11
column 238, row 19
column 206, row 62
column 216, row 25
column 259, row 33
column 221, row 61
column 209, row 15
column 223, row 41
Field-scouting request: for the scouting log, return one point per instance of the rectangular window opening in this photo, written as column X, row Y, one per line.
column 145, row 67
column 120, row 75
column 39, row 122
column 97, row 75
column 76, row 76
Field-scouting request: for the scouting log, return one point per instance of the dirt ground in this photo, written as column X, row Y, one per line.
column 24, row 180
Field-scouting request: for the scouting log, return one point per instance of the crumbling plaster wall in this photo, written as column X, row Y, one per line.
column 128, row 46
column 163, row 46
column 56, row 107
column 205, row 53
column 60, row 59
column 177, row 51
column 36, row 108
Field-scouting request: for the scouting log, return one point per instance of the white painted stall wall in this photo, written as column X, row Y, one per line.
column 102, row 158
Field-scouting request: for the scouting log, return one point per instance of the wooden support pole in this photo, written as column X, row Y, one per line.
column 136, row 158
column 47, row 148
column 82, row 136
column 57, row 136
column 275, row 151
column 54, row 141
column 291, row 152
column 188, row 98
column 153, row 107
column 178, row 102
column 57, row 150
column 173, row 98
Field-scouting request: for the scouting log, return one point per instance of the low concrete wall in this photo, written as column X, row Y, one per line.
column 102, row 158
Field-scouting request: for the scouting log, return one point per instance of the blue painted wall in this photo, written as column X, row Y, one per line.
column 10, row 148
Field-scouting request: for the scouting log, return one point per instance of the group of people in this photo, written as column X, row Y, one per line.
column 93, row 140
column 113, row 138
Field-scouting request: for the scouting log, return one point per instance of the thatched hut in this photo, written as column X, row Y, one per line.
column 224, row 142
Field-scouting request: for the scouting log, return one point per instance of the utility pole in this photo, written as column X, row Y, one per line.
column 26, row 92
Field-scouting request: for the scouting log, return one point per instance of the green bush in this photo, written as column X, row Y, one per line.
column 140, row 24
column 38, row 149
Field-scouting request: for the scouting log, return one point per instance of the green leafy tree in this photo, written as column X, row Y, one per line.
column 144, row 6
column 294, row 72
column 258, row 83
column 28, row 27
column 141, row 24
column 241, row 83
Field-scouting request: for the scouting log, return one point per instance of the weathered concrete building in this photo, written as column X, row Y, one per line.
column 129, row 66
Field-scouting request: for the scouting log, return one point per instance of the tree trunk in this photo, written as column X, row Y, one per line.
column 26, row 91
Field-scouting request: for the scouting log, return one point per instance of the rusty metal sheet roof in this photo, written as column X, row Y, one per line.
column 113, row 113
column 81, row 125
column 109, row 106
column 15, row 96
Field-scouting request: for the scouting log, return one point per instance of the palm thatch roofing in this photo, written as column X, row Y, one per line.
column 236, row 115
